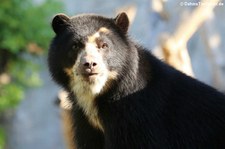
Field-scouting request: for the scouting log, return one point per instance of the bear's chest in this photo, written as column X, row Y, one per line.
column 86, row 102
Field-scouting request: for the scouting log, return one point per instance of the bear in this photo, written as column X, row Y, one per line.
column 123, row 97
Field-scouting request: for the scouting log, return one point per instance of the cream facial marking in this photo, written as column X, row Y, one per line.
column 85, row 93
column 92, row 38
column 86, row 88
column 69, row 72
column 104, row 30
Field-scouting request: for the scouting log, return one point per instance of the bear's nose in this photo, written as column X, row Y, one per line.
column 89, row 62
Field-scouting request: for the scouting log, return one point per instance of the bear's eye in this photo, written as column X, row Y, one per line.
column 101, row 44
column 75, row 47
column 104, row 45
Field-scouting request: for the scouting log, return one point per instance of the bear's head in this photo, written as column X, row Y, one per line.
column 89, row 52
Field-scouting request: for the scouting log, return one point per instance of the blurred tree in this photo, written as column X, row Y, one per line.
column 24, row 33
column 24, row 29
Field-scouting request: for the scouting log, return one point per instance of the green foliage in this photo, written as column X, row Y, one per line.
column 12, row 93
column 25, row 33
column 2, row 138
column 23, row 23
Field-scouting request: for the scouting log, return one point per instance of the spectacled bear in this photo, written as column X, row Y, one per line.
column 123, row 97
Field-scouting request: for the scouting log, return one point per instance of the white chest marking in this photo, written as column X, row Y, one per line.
column 86, row 92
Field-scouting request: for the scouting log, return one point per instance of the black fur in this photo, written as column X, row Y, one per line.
column 149, row 106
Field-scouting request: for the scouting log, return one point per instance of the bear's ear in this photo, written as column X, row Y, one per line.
column 122, row 22
column 60, row 22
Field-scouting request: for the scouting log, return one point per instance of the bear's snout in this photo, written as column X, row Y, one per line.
column 90, row 61
column 89, row 64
